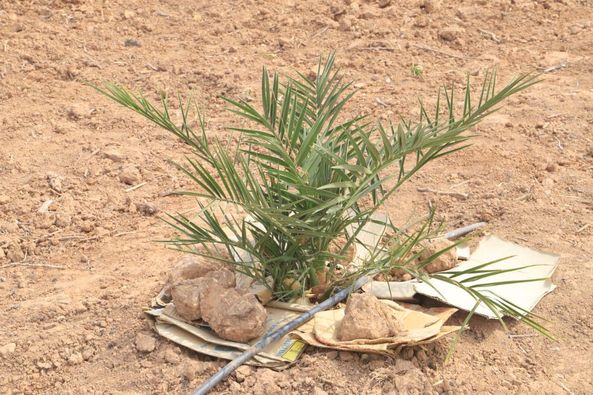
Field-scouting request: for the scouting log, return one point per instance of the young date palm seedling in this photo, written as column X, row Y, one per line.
column 310, row 177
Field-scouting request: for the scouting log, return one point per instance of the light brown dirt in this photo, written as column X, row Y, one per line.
column 72, row 328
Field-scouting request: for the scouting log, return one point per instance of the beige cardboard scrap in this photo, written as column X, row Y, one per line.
column 422, row 326
column 202, row 339
column 525, row 295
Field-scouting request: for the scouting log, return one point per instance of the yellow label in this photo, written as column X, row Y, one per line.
column 294, row 351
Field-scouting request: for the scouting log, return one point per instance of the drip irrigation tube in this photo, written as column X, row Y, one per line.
column 332, row 301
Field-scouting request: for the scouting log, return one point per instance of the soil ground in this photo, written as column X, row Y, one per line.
column 71, row 328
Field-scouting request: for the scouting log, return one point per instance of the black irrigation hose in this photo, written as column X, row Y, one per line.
column 283, row 330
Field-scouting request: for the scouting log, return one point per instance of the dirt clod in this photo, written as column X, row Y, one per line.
column 171, row 356
column 367, row 318
column 114, row 155
column 234, row 316
column 7, row 349
column 147, row 209
column 130, row 175
column 145, row 343
column 451, row 33
column 14, row 253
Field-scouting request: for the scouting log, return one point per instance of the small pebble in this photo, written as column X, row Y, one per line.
column 145, row 343
column 130, row 175
column 130, row 42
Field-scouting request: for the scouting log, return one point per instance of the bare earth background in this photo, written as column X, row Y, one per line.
column 529, row 173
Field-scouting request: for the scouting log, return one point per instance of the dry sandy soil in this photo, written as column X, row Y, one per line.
column 71, row 327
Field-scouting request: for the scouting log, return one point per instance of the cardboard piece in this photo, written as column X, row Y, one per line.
column 200, row 338
column 525, row 295
column 422, row 326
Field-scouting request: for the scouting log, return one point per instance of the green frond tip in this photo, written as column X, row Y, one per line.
column 308, row 175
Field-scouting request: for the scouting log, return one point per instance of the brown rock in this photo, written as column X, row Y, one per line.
column 147, row 209
column 451, row 33
column 242, row 373
column 421, row 21
column 75, row 358
column 225, row 277
column 367, row 318
column 234, row 316
column 189, row 294
column 430, row 6
column 188, row 267
column 15, row 253
column 130, row 175
column 444, row 261
column 172, row 357
column 62, row 220
column 55, row 182
column 7, row 349
column 114, row 155
column 145, row 343
column 192, row 370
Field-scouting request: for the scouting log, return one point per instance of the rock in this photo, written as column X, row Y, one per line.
column 225, row 277
column 130, row 175
column 87, row 353
column 242, row 373
column 188, row 267
column 172, row 357
column 9, row 226
column 188, row 296
column 451, row 33
column 147, row 208
column 114, row 155
column 55, row 182
column 331, row 355
column 367, row 318
column 129, row 14
column 4, row 199
column 145, row 343
column 430, row 6
column 75, row 358
column 347, row 22
column 192, row 370
column 234, row 316
column 551, row 167
column 444, row 261
column 346, row 356
column 79, row 111
column 7, row 349
column 44, row 221
column 130, row 42
column 62, row 220
column 319, row 391
column 421, row 21
column 14, row 253
column 384, row 3
column 87, row 226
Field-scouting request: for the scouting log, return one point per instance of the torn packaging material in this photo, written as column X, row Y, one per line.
column 421, row 326
column 512, row 285
column 202, row 339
